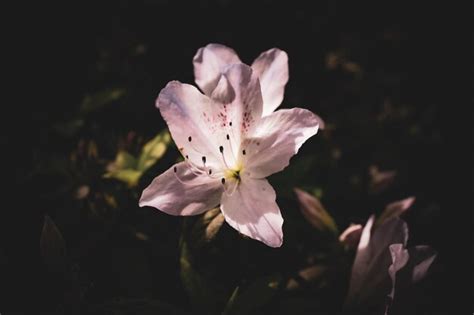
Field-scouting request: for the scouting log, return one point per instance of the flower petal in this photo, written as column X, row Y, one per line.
column 351, row 236
column 252, row 211
column 239, row 89
column 272, row 69
column 209, row 63
column 194, row 122
column 188, row 195
column 361, row 263
column 276, row 139
column 395, row 209
column 314, row 212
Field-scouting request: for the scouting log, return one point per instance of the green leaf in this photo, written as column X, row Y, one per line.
column 136, row 307
column 52, row 246
column 153, row 150
column 128, row 169
column 98, row 100
column 128, row 176
column 206, row 227
column 125, row 160
column 202, row 295
column 69, row 128
column 258, row 294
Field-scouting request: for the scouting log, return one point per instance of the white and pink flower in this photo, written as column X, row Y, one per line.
column 231, row 139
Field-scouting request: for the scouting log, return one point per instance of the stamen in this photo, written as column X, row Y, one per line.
column 204, row 160
column 227, row 136
column 230, row 123
column 221, row 148
column 234, row 189
column 189, row 138
column 223, row 180
column 210, row 171
column 243, row 152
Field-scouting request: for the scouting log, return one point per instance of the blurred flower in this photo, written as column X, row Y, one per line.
column 313, row 210
column 380, row 259
column 229, row 149
column 271, row 68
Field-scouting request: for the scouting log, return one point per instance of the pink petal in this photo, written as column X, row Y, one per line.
column 400, row 258
column 190, row 195
column 314, row 211
column 239, row 89
column 351, row 236
column 193, row 121
column 252, row 211
column 272, row 69
column 395, row 209
column 276, row 139
column 209, row 63
column 360, row 267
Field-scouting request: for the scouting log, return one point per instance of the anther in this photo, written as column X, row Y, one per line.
column 189, row 138
column 221, row 148
column 230, row 124
column 223, row 180
column 227, row 136
column 175, row 169
column 187, row 156
column 243, row 152
column 210, row 171
column 204, row 160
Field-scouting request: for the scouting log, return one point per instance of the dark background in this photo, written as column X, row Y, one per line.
column 379, row 99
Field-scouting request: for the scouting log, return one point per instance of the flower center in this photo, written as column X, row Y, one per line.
column 233, row 174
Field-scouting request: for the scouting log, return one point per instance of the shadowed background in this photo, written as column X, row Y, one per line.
column 366, row 70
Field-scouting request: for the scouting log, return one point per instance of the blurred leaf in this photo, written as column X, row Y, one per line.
column 307, row 275
column 69, row 128
column 231, row 301
column 128, row 176
column 256, row 295
column 52, row 246
column 201, row 294
column 128, row 169
column 98, row 100
column 315, row 212
column 299, row 306
column 153, row 150
column 207, row 227
column 380, row 180
column 135, row 307
column 82, row 192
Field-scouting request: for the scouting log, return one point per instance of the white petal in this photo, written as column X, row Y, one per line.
column 209, row 63
column 400, row 258
column 190, row 195
column 276, row 139
column 360, row 267
column 193, row 116
column 252, row 211
column 272, row 69
column 240, row 89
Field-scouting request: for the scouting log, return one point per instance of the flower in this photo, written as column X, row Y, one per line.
column 229, row 148
column 381, row 258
